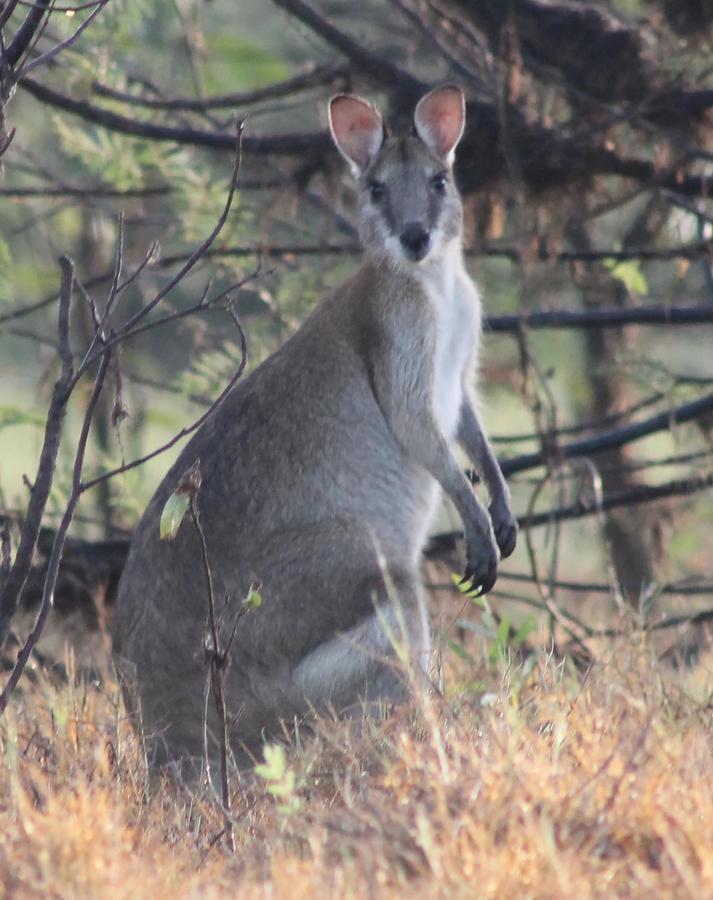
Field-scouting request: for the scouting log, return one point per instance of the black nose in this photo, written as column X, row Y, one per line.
column 414, row 240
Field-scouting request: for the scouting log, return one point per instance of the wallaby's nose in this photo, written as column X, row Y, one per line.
column 415, row 240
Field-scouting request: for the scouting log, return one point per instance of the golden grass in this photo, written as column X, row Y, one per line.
column 547, row 785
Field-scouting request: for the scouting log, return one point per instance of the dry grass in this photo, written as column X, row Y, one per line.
column 547, row 786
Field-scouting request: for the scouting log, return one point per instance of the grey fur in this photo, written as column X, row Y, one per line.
column 321, row 473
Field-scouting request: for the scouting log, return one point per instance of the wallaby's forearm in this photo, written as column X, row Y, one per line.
column 471, row 436
column 404, row 397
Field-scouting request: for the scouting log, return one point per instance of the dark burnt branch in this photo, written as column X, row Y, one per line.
column 184, row 432
column 608, row 440
column 440, row 544
column 21, row 193
column 602, row 317
column 376, row 65
column 579, row 427
column 44, row 58
column 682, row 589
column 286, row 144
column 595, row 52
column 25, row 33
column 547, row 160
column 60, row 537
column 691, row 250
column 6, row 10
column 17, row 577
column 216, row 656
column 633, row 496
column 328, row 74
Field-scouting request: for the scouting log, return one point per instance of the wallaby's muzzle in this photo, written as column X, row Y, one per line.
column 415, row 240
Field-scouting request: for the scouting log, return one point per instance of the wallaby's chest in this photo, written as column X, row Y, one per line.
column 456, row 304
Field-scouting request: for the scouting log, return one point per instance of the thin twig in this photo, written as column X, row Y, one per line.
column 216, row 658
column 613, row 438
column 184, row 432
column 315, row 77
column 63, row 45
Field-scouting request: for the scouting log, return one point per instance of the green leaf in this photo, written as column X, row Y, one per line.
column 253, row 599
column 630, row 274
column 172, row 515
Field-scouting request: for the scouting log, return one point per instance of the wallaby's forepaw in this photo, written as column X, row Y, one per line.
column 504, row 526
column 481, row 570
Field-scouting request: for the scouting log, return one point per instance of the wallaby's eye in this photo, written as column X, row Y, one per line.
column 439, row 182
column 376, row 190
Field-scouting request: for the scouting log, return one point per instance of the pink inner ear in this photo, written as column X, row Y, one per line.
column 439, row 120
column 356, row 128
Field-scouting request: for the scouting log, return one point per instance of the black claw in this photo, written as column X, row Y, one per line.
column 479, row 581
column 507, row 540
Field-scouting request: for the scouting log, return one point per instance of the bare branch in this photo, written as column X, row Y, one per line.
column 640, row 494
column 63, row 45
column 15, row 582
column 615, row 437
column 374, row 64
column 26, row 32
column 184, row 432
column 58, row 546
column 691, row 589
column 329, row 73
column 286, row 144
column 601, row 317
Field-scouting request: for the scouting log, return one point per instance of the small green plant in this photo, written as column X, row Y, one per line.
column 280, row 780
column 497, row 631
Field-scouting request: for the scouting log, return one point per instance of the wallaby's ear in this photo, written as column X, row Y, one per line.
column 357, row 130
column 439, row 120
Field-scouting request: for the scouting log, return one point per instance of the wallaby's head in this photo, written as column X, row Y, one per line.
column 409, row 206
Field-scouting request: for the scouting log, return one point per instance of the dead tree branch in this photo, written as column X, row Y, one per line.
column 317, row 76
column 446, row 540
column 58, row 546
column 14, row 583
column 615, row 437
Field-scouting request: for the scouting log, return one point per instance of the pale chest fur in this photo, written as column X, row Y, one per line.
column 456, row 304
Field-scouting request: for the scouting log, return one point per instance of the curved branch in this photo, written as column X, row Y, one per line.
column 609, row 440
column 374, row 64
column 26, row 32
column 547, row 160
column 285, row 144
column 317, row 76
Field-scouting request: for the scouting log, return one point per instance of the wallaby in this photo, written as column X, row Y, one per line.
column 321, row 473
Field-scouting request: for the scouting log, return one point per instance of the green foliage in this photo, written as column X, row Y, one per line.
column 172, row 515
column 253, row 600
column 280, row 779
column 630, row 274
column 241, row 64
column 13, row 415
column 209, row 371
column 500, row 636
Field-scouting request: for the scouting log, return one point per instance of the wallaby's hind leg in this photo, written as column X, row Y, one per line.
column 375, row 661
column 359, row 671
